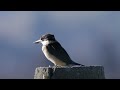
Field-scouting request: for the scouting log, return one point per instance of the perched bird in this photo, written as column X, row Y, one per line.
column 54, row 52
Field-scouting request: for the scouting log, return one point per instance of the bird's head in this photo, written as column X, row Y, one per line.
column 46, row 39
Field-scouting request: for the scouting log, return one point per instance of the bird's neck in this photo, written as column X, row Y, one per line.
column 48, row 42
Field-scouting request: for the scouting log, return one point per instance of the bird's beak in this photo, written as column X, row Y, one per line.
column 36, row 42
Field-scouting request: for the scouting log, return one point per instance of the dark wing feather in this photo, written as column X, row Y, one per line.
column 57, row 50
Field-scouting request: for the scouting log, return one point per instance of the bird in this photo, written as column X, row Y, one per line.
column 54, row 51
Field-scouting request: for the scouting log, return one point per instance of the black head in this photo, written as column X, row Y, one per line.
column 48, row 37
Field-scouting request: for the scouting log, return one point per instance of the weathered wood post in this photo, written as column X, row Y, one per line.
column 76, row 72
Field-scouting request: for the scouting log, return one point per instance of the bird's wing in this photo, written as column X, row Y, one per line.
column 59, row 52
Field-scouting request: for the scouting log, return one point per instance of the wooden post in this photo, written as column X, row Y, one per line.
column 76, row 72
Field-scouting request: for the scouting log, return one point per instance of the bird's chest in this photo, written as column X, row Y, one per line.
column 51, row 57
column 46, row 52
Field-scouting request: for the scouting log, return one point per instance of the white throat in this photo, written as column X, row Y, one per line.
column 47, row 42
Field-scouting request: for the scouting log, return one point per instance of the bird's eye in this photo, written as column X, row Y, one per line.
column 42, row 39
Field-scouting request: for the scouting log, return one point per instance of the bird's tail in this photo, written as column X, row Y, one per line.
column 74, row 63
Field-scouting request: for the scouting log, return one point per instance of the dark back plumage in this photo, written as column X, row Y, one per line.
column 57, row 50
